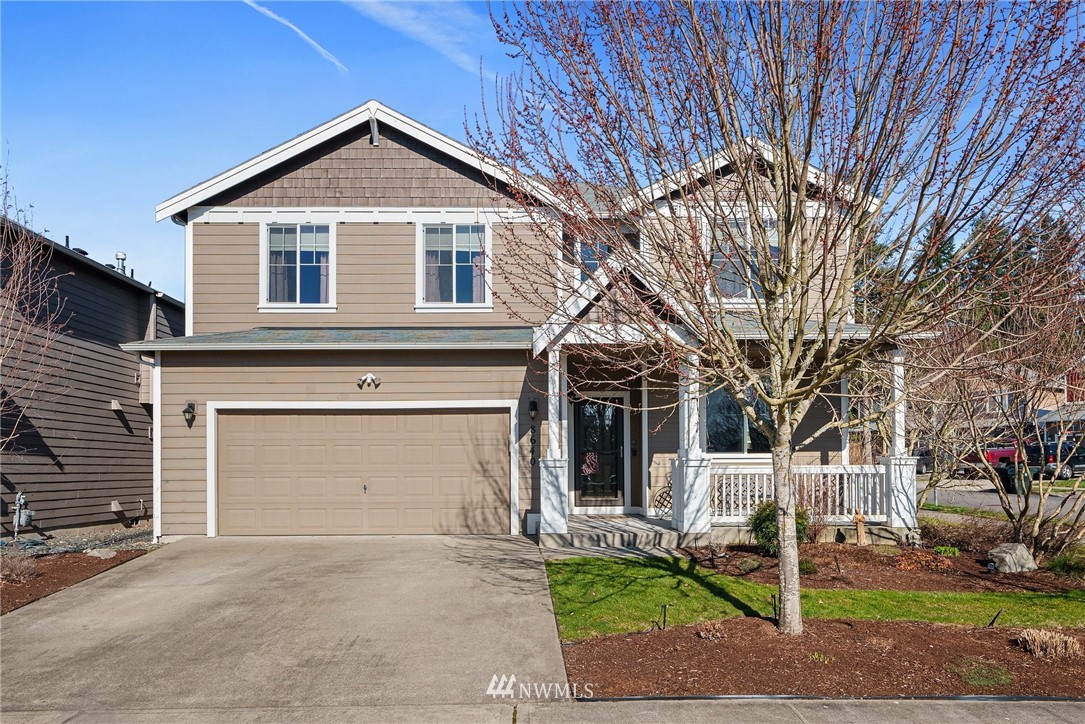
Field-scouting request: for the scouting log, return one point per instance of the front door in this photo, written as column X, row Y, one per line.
column 599, row 454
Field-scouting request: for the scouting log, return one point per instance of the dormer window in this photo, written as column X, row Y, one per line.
column 298, row 272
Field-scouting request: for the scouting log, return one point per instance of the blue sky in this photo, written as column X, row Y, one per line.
column 107, row 109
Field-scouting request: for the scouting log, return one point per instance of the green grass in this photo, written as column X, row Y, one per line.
column 964, row 510
column 599, row 596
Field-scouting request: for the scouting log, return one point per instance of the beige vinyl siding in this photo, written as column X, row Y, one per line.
column 376, row 266
column 74, row 455
column 351, row 171
column 327, row 376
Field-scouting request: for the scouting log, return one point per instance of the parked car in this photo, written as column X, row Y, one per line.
column 924, row 461
column 1051, row 460
column 998, row 454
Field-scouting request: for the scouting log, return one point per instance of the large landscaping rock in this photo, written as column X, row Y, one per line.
column 103, row 553
column 1012, row 558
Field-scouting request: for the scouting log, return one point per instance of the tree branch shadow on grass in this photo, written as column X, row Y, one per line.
column 679, row 568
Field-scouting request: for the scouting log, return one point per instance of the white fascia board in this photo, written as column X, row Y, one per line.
column 148, row 346
column 327, row 131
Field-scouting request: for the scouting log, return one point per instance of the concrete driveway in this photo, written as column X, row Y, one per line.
column 302, row 624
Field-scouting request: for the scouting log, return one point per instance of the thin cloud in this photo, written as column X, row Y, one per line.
column 450, row 28
column 300, row 33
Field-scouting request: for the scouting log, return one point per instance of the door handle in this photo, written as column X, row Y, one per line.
column 365, row 488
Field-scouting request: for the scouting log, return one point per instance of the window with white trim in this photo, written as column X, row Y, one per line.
column 727, row 428
column 298, row 266
column 735, row 258
column 454, row 264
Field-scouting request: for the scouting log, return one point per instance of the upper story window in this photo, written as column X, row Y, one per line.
column 736, row 259
column 727, row 428
column 454, row 265
column 298, row 271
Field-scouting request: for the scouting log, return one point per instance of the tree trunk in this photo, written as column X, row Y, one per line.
column 786, row 508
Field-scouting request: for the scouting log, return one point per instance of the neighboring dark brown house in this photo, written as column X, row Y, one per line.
column 82, row 452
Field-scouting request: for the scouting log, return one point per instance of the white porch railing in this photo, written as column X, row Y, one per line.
column 833, row 491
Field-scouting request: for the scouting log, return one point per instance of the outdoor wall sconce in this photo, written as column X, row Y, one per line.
column 189, row 412
column 370, row 379
column 533, row 409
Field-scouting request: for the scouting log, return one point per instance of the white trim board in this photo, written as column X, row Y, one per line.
column 356, row 215
column 156, row 447
column 212, row 408
column 363, row 114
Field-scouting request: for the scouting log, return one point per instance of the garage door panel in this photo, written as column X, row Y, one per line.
column 426, row 471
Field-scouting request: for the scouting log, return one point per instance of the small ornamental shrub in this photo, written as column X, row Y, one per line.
column 18, row 570
column 949, row 551
column 919, row 559
column 765, row 531
column 1071, row 563
column 1049, row 644
column 807, row 567
column 748, row 565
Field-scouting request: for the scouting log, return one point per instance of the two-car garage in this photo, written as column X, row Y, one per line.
column 362, row 471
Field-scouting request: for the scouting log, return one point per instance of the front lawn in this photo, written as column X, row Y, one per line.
column 599, row 596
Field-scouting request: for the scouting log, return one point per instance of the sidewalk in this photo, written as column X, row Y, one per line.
column 741, row 710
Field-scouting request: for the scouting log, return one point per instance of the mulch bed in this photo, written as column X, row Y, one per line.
column 56, row 572
column 843, row 566
column 835, row 658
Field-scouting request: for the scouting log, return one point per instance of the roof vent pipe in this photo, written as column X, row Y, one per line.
column 66, row 242
column 120, row 256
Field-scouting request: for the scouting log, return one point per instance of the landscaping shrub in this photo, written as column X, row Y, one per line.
column 973, row 536
column 1070, row 563
column 949, row 551
column 765, row 531
column 919, row 559
column 748, row 565
column 18, row 570
column 1049, row 644
column 807, row 567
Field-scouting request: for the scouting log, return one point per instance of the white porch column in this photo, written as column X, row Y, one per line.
column 899, row 468
column 900, row 491
column 845, row 414
column 691, row 476
column 553, row 469
column 899, row 406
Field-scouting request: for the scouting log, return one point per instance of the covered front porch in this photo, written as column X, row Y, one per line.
column 609, row 454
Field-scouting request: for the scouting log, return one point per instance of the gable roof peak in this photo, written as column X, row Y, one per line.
column 371, row 110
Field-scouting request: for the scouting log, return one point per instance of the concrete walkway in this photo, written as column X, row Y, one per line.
column 746, row 711
column 305, row 627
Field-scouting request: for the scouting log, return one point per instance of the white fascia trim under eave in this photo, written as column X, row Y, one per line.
column 212, row 408
column 142, row 347
column 346, row 122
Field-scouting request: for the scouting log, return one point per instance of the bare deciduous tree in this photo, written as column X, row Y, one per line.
column 31, row 321
column 790, row 169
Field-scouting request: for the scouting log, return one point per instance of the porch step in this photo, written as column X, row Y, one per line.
column 621, row 532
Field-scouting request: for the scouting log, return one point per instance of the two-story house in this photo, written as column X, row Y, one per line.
column 353, row 366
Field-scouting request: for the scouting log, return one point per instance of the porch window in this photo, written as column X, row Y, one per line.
column 454, row 264
column 734, row 257
column 298, row 264
column 728, row 430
